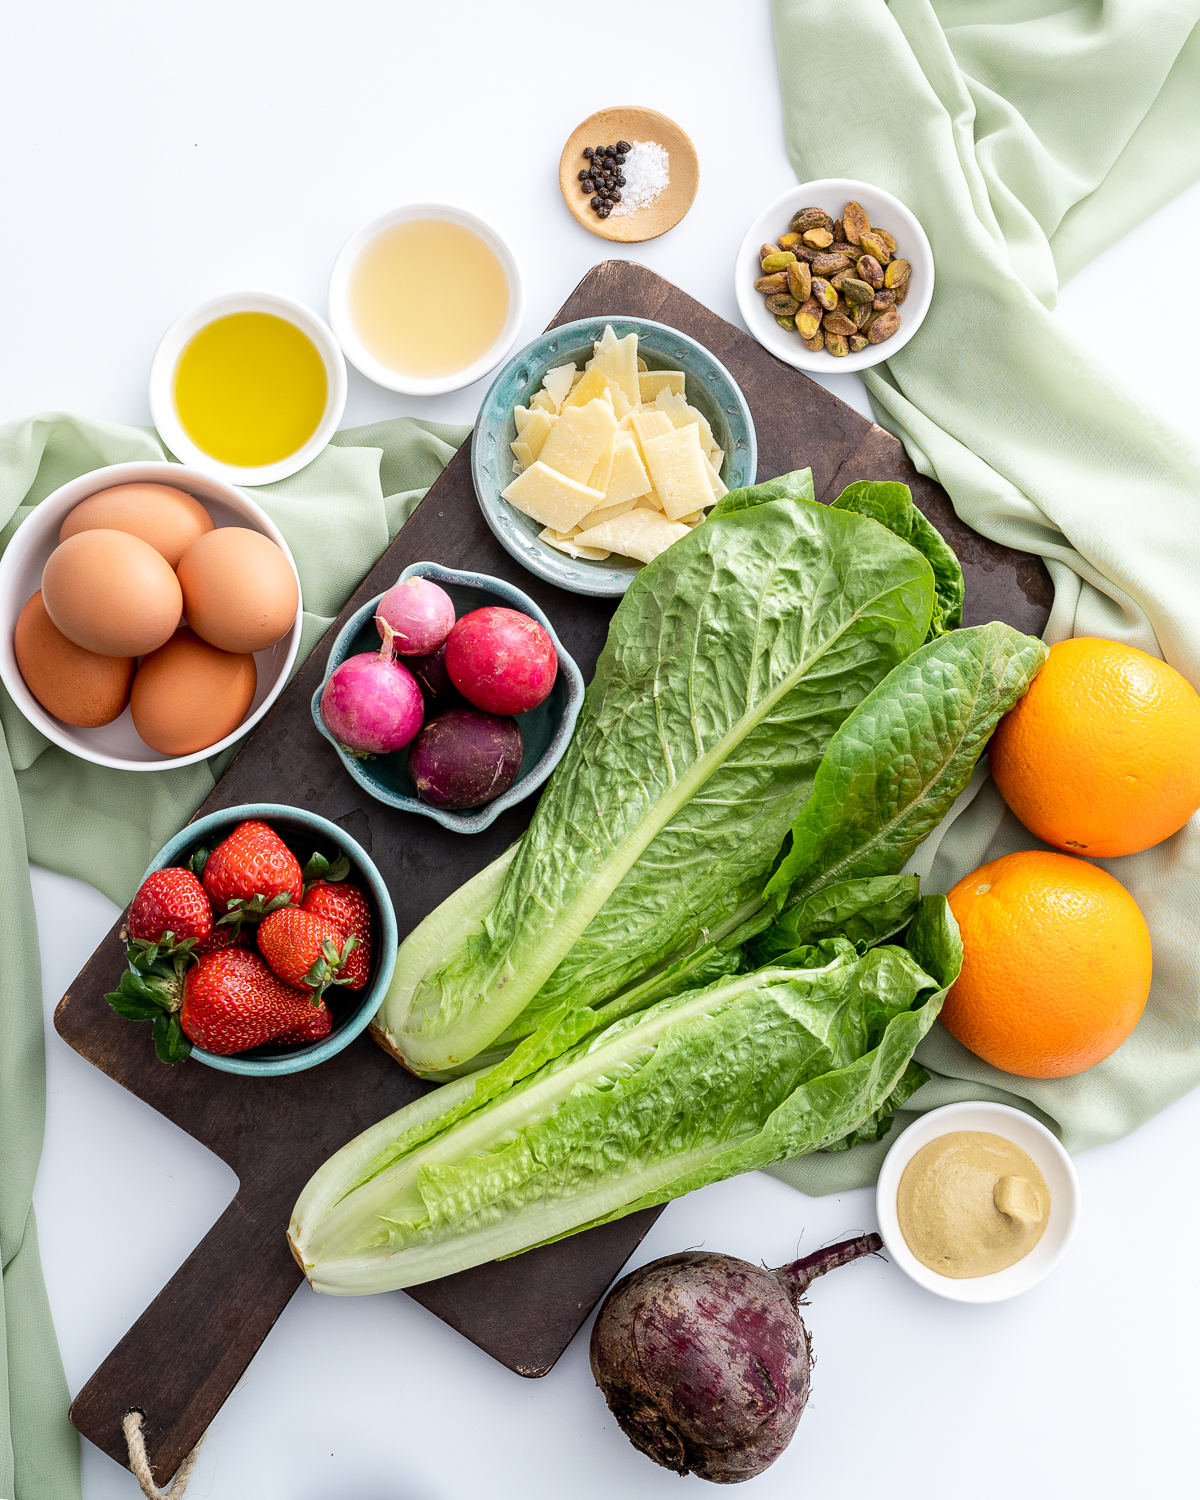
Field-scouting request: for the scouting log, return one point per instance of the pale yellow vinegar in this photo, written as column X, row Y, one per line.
column 250, row 389
column 428, row 298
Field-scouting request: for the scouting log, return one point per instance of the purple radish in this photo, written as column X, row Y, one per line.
column 465, row 758
column 420, row 614
column 371, row 704
column 704, row 1360
column 432, row 677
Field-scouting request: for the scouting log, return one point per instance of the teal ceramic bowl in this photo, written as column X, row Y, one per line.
column 545, row 730
column 304, row 833
column 709, row 387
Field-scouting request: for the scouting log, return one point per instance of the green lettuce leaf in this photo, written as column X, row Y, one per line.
column 747, row 1071
column 897, row 763
column 795, row 486
column 730, row 662
column 864, row 911
column 891, row 504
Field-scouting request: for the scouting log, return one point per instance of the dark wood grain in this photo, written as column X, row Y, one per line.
column 181, row 1359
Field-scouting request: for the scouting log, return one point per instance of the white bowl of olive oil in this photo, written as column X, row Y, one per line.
column 426, row 299
column 248, row 387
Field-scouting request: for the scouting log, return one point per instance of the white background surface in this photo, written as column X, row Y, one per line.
column 155, row 155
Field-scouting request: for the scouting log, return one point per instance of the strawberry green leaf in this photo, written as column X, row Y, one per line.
column 169, row 1041
column 197, row 862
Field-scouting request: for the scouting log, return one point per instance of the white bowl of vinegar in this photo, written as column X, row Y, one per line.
column 426, row 299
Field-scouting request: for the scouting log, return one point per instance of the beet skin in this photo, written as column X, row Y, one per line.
column 704, row 1359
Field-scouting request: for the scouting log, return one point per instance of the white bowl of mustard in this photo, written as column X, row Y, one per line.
column 1051, row 1233
column 248, row 387
column 426, row 299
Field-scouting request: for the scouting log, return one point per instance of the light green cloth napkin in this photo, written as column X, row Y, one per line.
column 1027, row 136
column 104, row 826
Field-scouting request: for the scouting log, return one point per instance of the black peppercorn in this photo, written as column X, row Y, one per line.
column 624, row 147
column 589, row 152
column 619, row 158
column 597, row 201
column 615, row 196
column 588, row 185
column 583, row 176
column 620, row 179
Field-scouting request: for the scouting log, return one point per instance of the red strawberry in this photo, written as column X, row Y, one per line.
column 317, row 1026
column 232, row 1001
column 347, row 906
column 225, row 937
column 170, row 901
column 252, row 871
column 306, row 951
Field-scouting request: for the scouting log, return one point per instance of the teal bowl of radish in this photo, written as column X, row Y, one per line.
column 411, row 738
column 305, row 835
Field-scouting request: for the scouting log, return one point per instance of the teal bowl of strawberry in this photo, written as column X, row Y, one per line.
column 299, row 942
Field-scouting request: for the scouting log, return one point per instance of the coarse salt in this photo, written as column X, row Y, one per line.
column 646, row 175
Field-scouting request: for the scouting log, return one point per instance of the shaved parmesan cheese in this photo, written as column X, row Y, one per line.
column 569, row 545
column 520, row 417
column 650, row 500
column 522, row 455
column 693, row 520
column 653, row 381
column 628, row 479
column 604, row 513
column 640, row 534
column 681, row 414
column 542, row 401
column 579, row 437
column 718, row 487
column 551, row 498
column 557, row 382
column 650, row 424
column 617, row 358
column 716, row 458
column 599, row 477
column 677, row 468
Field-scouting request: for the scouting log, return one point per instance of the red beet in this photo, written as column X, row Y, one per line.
column 501, row 661
column 464, row 758
column 704, row 1360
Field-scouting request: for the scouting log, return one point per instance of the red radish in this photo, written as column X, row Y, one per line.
column 371, row 704
column 704, row 1359
column 501, row 661
column 421, row 615
column 465, row 758
column 433, row 679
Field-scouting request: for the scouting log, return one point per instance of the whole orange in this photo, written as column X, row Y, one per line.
column 1056, row 964
column 1102, row 754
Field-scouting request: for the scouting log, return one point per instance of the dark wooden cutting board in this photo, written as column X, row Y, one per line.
column 184, row 1355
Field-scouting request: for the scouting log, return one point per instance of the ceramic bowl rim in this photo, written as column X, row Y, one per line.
column 343, row 324
column 543, row 561
column 318, row 1052
column 477, row 819
column 1023, row 1130
column 47, row 516
column 187, row 325
column 788, row 347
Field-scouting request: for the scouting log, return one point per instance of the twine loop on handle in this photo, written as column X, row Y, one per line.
column 139, row 1461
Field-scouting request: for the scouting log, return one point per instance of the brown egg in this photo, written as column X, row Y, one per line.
column 77, row 686
column 168, row 519
column 111, row 592
column 239, row 591
column 187, row 695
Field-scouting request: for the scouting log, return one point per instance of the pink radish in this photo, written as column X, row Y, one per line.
column 371, row 704
column 420, row 614
column 501, row 661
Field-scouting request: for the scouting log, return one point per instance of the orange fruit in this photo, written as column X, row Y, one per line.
column 1102, row 754
column 1056, row 964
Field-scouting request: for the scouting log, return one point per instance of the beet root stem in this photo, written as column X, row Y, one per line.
column 800, row 1275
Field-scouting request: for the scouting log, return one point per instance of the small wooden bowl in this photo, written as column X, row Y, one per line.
column 631, row 123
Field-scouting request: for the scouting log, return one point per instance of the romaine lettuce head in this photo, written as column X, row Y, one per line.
column 709, row 1083
column 730, row 663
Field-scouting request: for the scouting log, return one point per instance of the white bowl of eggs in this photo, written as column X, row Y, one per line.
column 149, row 616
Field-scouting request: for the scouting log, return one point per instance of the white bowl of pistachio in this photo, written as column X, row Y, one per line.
column 835, row 275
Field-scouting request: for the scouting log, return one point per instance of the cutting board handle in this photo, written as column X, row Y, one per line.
column 188, row 1350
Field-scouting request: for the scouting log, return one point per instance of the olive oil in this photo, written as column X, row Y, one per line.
column 250, row 389
column 428, row 298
